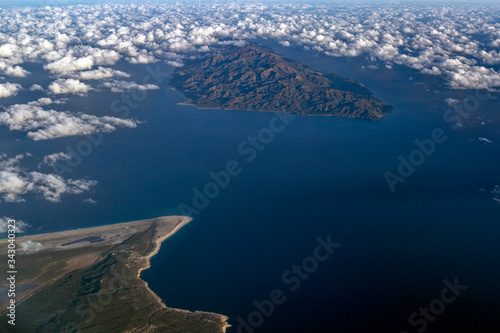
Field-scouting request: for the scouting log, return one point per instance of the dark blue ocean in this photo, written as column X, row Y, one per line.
column 319, row 177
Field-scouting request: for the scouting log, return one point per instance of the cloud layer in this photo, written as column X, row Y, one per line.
column 458, row 42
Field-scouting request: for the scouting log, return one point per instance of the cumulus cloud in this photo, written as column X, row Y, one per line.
column 16, row 181
column 29, row 246
column 452, row 102
column 43, row 101
column 69, row 86
column 141, row 59
column 9, row 89
column 52, row 159
column 21, row 226
column 70, row 64
column 7, row 50
column 36, row 87
column 90, row 57
column 43, row 124
column 174, row 63
column 51, row 186
column 16, row 71
column 75, row 39
column 122, row 86
column 101, row 73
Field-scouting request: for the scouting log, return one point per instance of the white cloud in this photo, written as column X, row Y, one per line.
column 9, row 89
column 52, row 159
column 7, row 50
column 43, row 101
column 15, row 71
column 175, row 63
column 70, row 64
column 50, row 124
column 121, row 86
column 452, row 102
column 101, row 73
column 69, row 40
column 53, row 186
column 474, row 79
column 496, row 193
column 20, row 226
column 16, row 181
column 485, row 140
column 29, row 246
column 105, row 57
column 36, row 87
column 69, row 86
column 79, row 59
column 142, row 59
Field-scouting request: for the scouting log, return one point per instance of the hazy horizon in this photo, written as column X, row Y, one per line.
column 21, row 3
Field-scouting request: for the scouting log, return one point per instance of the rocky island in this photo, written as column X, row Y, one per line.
column 251, row 77
column 88, row 280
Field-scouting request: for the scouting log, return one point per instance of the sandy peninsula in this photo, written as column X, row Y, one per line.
column 88, row 280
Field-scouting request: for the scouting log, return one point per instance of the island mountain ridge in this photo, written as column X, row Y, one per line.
column 251, row 77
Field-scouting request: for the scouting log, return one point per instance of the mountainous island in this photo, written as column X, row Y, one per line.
column 88, row 280
column 251, row 77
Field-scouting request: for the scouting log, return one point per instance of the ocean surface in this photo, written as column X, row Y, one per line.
column 319, row 177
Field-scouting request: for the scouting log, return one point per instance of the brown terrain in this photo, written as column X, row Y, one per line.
column 251, row 77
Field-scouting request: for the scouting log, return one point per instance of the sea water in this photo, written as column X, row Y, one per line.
column 320, row 177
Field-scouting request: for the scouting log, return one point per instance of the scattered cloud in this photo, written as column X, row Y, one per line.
column 71, row 62
column 21, row 226
column 452, row 102
column 101, row 73
column 69, row 86
column 74, row 40
column 8, row 50
column 36, row 87
column 496, row 193
column 43, row 124
column 15, row 71
column 29, row 246
column 485, row 140
column 16, row 181
column 43, row 101
column 9, row 89
column 122, row 86
column 52, row 159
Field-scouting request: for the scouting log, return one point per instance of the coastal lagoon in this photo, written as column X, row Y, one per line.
column 320, row 177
